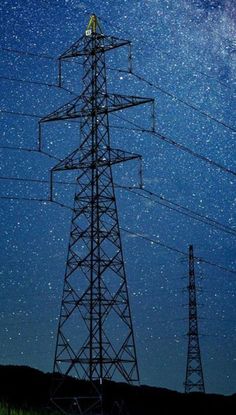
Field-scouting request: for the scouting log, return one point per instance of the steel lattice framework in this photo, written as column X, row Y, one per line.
column 95, row 339
column 194, row 381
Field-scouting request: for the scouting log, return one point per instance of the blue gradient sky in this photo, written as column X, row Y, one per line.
column 174, row 43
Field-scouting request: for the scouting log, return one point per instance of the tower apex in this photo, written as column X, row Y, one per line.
column 94, row 25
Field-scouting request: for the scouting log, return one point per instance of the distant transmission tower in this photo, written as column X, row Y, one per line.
column 194, row 381
column 95, row 340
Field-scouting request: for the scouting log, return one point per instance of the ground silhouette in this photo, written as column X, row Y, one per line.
column 25, row 387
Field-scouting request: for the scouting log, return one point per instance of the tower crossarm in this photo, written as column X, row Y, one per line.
column 111, row 156
column 79, row 107
column 75, row 161
column 106, row 43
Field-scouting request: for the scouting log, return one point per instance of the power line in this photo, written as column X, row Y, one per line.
column 176, row 144
column 30, row 150
column 50, row 57
column 163, row 202
column 6, row 78
column 182, row 101
column 34, row 180
column 27, row 199
column 184, row 211
column 139, row 235
column 154, row 241
column 130, row 72
column 216, row 80
column 39, row 83
column 22, row 52
column 193, row 153
column 24, row 199
column 140, row 129
column 21, row 114
column 190, row 211
column 18, row 179
column 169, row 55
column 155, row 133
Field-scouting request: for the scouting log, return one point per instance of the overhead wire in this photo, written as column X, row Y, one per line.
column 26, row 53
column 30, row 150
column 26, row 81
column 130, row 72
column 159, row 49
column 24, row 199
column 21, row 114
column 136, row 234
column 173, row 97
column 28, row 199
column 159, row 135
column 179, row 209
column 175, row 144
column 182, row 101
column 42, row 181
column 168, row 54
column 230, row 87
column 189, row 210
column 43, row 56
column 155, row 242
column 140, row 129
column 162, row 201
column 7, row 78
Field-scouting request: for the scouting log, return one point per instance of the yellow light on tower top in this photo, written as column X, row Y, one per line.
column 94, row 26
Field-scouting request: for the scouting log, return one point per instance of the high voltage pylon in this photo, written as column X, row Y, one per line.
column 95, row 339
column 194, row 381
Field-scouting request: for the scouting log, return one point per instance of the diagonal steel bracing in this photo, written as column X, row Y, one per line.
column 95, row 339
column 194, row 381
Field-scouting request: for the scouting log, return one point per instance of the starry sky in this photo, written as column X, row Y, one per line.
column 185, row 49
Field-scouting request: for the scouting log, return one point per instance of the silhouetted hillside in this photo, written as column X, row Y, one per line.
column 26, row 387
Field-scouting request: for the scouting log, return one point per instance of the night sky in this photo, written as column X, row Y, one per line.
column 187, row 49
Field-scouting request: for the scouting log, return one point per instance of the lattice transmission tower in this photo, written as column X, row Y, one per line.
column 194, row 381
column 95, row 339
